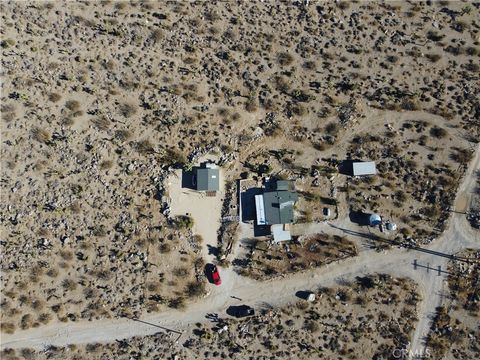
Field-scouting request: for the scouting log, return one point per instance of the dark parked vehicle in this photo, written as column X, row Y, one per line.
column 240, row 311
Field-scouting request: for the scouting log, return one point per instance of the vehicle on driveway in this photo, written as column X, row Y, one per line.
column 213, row 275
column 240, row 311
column 216, row 277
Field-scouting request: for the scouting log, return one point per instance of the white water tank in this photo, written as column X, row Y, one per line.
column 375, row 220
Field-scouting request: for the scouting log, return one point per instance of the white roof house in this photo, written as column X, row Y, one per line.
column 364, row 168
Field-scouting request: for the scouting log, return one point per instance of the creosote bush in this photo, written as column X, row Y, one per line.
column 72, row 105
column 41, row 135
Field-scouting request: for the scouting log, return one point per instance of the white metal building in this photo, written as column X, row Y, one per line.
column 364, row 168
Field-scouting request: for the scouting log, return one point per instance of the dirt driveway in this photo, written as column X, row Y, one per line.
column 205, row 210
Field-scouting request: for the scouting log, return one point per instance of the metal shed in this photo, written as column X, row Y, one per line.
column 364, row 168
column 207, row 179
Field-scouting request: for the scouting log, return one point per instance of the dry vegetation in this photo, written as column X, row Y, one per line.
column 307, row 252
column 100, row 98
column 455, row 330
column 371, row 316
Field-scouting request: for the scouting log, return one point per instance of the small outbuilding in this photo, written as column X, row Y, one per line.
column 364, row 168
column 207, row 178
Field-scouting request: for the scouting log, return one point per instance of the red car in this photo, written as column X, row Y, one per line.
column 216, row 276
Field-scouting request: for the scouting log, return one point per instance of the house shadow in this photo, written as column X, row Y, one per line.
column 261, row 230
column 188, row 179
column 248, row 203
column 346, row 167
column 359, row 218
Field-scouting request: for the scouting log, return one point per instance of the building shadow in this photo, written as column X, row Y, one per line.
column 346, row 167
column 212, row 250
column 359, row 217
column 248, row 203
column 261, row 230
column 188, row 179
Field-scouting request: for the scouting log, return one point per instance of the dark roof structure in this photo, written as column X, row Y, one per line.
column 207, row 179
column 276, row 207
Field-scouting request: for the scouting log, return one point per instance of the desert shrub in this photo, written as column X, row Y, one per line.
column 28, row 354
column 196, row 288
column 144, row 147
column 72, row 105
column 41, row 135
column 123, row 135
column 472, row 51
column 164, row 248
column 198, row 239
column 94, row 347
column 66, row 255
column 106, row 164
column 189, row 60
column 7, row 327
column 101, row 123
column 44, row 318
column 177, row 303
column 431, row 211
column 52, row 272
column 54, row 97
column 298, row 109
column 37, row 304
column 26, row 321
column 281, row 84
column 7, row 43
column 438, row 132
column 433, row 57
column 472, row 67
column 127, row 110
column 251, row 106
column 180, row 272
column 157, row 35
column 434, row 36
column 183, row 222
column 462, row 156
column 460, row 26
column 103, row 274
column 99, row 230
column 343, row 5
column 284, row 58
column 310, row 65
column 410, row 105
column 69, row 284
column 400, row 196
column 311, row 326
column 392, row 59
column 332, row 128
column 173, row 157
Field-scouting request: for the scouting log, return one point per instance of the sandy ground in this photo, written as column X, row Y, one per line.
column 324, row 328
column 100, row 99
column 281, row 291
column 205, row 210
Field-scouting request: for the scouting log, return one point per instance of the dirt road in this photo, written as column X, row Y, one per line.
column 398, row 262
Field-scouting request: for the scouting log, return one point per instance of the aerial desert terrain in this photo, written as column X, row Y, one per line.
column 105, row 104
